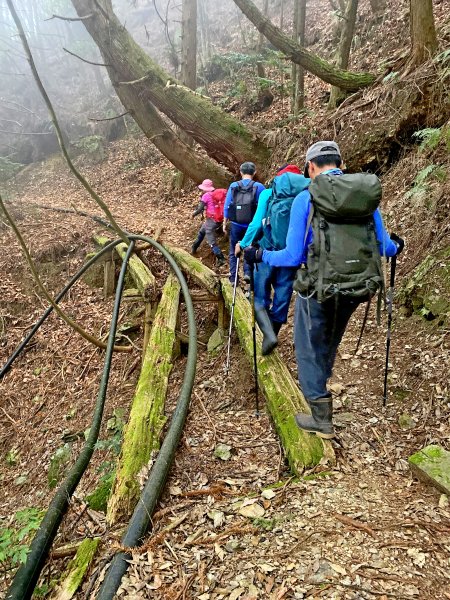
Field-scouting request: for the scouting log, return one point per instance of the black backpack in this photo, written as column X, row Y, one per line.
column 344, row 257
column 243, row 204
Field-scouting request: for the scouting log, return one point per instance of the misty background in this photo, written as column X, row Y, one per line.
column 82, row 92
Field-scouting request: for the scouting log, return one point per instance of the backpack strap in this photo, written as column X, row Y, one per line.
column 308, row 223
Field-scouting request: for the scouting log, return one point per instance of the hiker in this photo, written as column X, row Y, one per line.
column 213, row 201
column 270, row 226
column 240, row 206
column 336, row 236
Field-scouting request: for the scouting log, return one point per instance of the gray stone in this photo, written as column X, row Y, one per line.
column 432, row 465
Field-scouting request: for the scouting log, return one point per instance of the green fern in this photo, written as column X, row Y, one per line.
column 430, row 137
column 423, row 174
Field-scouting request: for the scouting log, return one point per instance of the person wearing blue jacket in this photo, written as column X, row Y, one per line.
column 318, row 326
column 237, row 230
column 272, row 313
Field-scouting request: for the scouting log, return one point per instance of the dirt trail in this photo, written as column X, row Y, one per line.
column 365, row 529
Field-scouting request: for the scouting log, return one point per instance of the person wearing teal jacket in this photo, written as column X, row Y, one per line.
column 271, row 313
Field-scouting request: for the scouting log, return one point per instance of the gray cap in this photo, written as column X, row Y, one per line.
column 323, row 148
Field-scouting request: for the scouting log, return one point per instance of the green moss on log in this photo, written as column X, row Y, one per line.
column 98, row 500
column 283, row 397
column 94, row 275
column 427, row 291
column 143, row 278
column 76, row 570
column 196, row 269
column 142, row 433
column 432, row 465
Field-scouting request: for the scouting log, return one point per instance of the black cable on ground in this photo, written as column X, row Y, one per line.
column 27, row 576
column 140, row 520
column 7, row 366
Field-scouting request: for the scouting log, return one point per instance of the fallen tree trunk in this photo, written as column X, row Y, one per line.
column 284, row 399
column 147, row 418
column 76, row 570
column 346, row 80
column 141, row 274
column 196, row 269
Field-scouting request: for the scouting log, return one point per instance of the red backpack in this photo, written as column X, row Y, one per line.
column 218, row 197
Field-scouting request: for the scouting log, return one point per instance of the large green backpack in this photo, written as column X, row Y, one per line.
column 344, row 256
column 285, row 188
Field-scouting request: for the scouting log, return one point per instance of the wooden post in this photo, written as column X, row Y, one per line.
column 109, row 281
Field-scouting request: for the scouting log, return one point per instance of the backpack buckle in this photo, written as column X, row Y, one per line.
column 322, row 224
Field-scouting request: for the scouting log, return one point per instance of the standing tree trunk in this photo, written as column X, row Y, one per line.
column 312, row 63
column 260, row 47
column 423, row 32
column 298, row 72
column 139, row 80
column 189, row 44
column 188, row 64
column 345, row 44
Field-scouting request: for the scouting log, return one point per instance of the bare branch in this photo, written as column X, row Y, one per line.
column 26, row 132
column 89, row 62
column 11, row 121
column 127, row 112
column 134, row 82
column 69, row 18
column 123, row 236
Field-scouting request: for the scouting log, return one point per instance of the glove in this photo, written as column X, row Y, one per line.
column 399, row 241
column 200, row 208
column 253, row 255
column 237, row 250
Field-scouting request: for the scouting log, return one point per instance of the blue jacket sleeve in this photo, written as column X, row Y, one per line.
column 292, row 255
column 255, row 226
column 387, row 246
column 228, row 201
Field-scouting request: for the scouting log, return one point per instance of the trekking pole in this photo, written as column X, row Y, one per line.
column 390, row 300
column 255, row 361
column 227, row 367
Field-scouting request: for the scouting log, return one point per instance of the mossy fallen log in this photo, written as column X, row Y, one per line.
column 147, row 418
column 196, row 269
column 284, row 399
column 76, row 569
column 140, row 273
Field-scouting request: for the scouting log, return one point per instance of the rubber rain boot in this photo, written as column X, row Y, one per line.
column 270, row 340
column 276, row 325
column 320, row 421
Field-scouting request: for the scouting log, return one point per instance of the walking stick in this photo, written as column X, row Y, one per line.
column 227, row 367
column 255, row 361
column 389, row 300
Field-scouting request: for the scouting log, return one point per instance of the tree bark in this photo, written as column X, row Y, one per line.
column 189, row 44
column 224, row 138
column 317, row 66
column 345, row 44
column 147, row 418
column 298, row 72
column 282, row 393
column 423, row 32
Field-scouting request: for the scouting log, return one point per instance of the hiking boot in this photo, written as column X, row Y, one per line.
column 270, row 340
column 320, row 421
column 247, row 278
column 195, row 246
column 220, row 260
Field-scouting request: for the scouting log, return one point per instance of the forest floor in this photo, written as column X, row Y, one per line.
column 365, row 529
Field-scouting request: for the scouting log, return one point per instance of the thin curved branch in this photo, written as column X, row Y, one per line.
column 59, row 135
column 89, row 62
column 69, row 18
column 127, row 112
column 87, row 336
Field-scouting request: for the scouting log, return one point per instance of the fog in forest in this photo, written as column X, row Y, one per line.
column 82, row 92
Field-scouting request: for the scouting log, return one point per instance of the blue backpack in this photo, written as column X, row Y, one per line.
column 285, row 188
